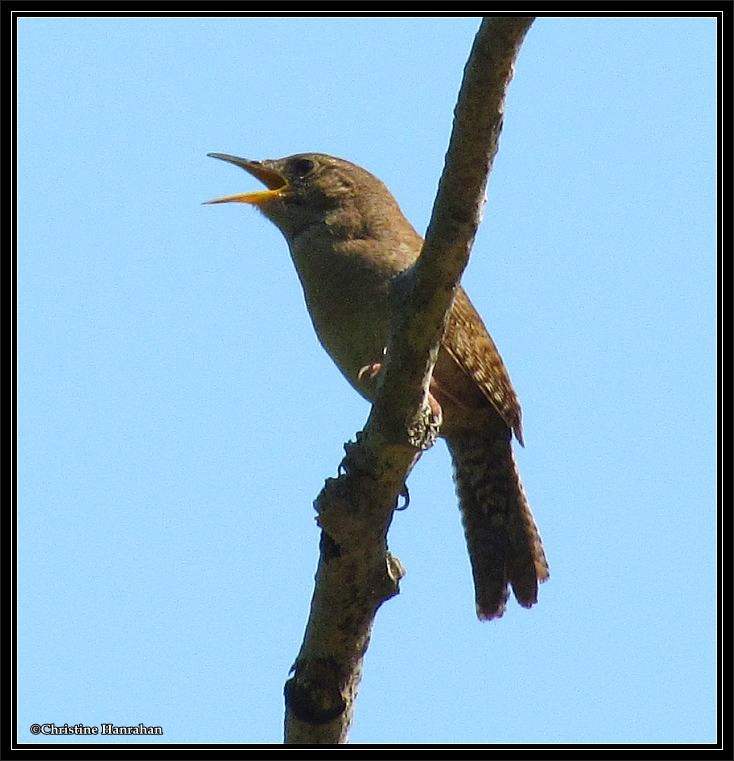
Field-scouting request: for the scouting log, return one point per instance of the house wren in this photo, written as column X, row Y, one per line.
column 348, row 238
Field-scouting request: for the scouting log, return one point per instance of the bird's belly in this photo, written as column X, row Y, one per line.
column 350, row 310
column 357, row 337
column 354, row 333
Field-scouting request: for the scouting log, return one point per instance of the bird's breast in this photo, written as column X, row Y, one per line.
column 346, row 287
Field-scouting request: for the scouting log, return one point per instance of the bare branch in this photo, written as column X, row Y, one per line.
column 356, row 572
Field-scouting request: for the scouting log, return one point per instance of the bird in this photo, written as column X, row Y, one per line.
column 348, row 240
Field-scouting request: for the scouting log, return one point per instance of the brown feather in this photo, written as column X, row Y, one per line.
column 467, row 340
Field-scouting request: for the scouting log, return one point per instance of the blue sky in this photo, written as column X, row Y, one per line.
column 177, row 416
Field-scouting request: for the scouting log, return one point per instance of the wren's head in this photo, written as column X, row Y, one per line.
column 312, row 188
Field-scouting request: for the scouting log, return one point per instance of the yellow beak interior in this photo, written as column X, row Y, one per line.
column 274, row 181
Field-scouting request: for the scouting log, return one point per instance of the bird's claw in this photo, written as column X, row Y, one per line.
column 369, row 372
column 405, row 494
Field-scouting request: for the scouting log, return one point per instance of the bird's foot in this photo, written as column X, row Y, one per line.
column 435, row 407
column 405, row 494
column 366, row 376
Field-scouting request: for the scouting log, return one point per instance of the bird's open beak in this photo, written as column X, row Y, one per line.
column 274, row 181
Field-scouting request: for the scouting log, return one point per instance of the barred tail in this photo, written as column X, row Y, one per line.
column 501, row 535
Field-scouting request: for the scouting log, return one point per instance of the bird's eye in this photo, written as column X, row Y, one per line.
column 301, row 167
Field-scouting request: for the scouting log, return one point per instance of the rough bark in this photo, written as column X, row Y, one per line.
column 356, row 573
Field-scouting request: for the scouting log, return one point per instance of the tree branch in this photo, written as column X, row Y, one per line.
column 356, row 573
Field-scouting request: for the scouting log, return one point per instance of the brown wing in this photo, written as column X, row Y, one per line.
column 466, row 339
